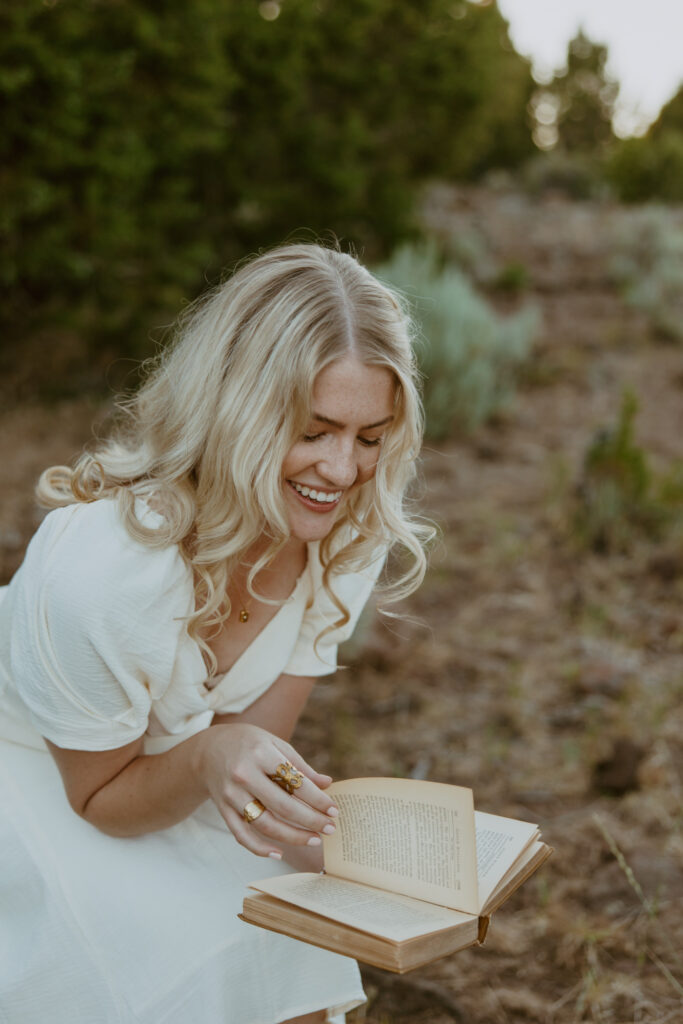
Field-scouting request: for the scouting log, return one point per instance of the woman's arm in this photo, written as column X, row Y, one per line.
column 125, row 792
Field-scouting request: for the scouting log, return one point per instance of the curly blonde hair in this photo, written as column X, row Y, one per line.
column 238, row 380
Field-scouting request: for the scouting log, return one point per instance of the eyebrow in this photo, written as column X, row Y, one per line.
column 335, row 423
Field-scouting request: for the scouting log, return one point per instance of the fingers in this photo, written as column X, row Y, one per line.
column 245, row 758
column 248, row 836
column 264, row 835
column 306, row 807
column 296, row 810
column 310, row 793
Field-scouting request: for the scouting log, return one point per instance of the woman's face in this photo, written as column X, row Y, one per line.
column 352, row 407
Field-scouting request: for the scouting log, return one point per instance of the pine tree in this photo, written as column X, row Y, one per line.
column 582, row 96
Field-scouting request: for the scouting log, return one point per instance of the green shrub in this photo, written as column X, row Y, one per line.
column 648, row 264
column 512, row 278
column 647, row 168
column 617, row 497
column 576, row 175
column 468, row 354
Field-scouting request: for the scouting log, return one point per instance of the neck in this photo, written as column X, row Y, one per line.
column 292, row 551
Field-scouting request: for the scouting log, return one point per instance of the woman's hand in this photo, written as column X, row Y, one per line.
column 235, row 765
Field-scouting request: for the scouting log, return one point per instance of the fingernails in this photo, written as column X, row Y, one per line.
column 275, row 855
column 332, row 812
column 314, row 841
column 329, row 829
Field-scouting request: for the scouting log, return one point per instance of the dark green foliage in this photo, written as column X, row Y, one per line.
column 648, row 168
column 513, row 278
column 618, row 496
column 146, row 147
column 582, row 96
column 670, row 116
column 651, row 167
column 105, row 151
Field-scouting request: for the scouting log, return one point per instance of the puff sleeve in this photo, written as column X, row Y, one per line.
column 353, row 589
column 97, row 619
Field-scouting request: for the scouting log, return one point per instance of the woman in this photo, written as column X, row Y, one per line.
column 162, row 637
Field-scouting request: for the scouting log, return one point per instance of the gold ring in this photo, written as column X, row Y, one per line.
column 253, row 810
column 287, row 777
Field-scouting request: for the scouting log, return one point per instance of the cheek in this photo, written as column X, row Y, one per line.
column 294, row 460
column 367, row 465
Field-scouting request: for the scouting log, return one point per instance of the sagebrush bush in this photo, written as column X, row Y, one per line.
column 576, row 175
column 468, row 353
column 648, row 264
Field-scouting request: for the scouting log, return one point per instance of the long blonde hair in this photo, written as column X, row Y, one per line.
column 206, row 435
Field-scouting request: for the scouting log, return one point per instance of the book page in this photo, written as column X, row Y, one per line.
column 525, row 865
column 371, row 910
column 500, row 842
column 406, row 836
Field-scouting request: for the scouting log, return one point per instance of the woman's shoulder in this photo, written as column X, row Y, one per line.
column 83, row 550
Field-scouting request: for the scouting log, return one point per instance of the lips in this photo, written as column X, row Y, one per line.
column 315, row 498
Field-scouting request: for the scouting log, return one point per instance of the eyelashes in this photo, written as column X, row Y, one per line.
column 365, row 441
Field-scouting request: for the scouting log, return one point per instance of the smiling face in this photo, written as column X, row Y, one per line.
column 352, row 407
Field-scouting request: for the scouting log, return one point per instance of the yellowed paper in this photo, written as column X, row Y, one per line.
column 372, row 910
column 409, row 837
column 500, row 844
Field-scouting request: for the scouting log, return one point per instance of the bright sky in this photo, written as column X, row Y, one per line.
column 644, row 39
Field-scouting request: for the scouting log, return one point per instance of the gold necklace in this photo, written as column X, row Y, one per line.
column 244, row 605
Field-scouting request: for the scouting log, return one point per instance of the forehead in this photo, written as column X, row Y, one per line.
column 349, row 388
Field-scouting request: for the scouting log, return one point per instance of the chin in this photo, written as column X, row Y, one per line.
column 307, row 534
column 312, row 526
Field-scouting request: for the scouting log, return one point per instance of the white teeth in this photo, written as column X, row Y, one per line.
column 321, row 496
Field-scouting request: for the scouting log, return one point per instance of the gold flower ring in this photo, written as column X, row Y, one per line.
column 287, row 777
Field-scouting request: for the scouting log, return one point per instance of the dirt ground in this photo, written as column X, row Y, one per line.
column 546, row 676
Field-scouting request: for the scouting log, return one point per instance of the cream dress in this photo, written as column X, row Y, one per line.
column 94, row 653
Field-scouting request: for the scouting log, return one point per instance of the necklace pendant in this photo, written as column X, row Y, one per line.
column 244, row 615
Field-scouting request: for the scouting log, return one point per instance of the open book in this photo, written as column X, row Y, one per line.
column 412, row 873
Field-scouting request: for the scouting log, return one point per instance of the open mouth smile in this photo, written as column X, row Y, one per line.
column 312, row 497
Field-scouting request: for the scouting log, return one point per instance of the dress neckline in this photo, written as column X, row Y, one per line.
column 221, row 677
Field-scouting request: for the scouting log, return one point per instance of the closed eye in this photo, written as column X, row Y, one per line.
column 367, row 442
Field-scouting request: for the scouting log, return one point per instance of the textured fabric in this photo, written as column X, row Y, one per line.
column 96, row 642
column 94, row 653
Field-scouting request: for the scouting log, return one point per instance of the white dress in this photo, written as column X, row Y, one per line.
column 94, row 653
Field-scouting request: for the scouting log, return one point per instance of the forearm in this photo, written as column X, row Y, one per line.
column 124, row 792
column 152, row 792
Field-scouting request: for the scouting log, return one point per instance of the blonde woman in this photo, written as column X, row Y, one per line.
column 159, row 643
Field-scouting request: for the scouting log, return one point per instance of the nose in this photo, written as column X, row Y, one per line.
column 338, row 466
